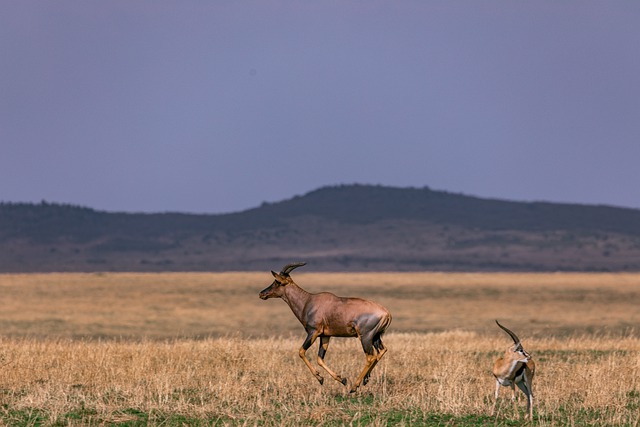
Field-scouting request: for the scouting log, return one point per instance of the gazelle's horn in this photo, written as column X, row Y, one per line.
column 289, row 267
column 515, row 338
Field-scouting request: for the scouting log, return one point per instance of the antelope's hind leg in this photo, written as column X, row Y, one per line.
column 525, row 386
column 374, row 350
column 322, row 350
column 371, row 359
column 380, row 351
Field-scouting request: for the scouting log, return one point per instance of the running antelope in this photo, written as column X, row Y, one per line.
column 515, row 368
column 325, row 315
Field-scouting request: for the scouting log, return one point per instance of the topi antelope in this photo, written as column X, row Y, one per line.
column 325, row 315
column 515, row 368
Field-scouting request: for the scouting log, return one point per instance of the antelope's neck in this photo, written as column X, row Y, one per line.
column 513, row 368
column 296, row 298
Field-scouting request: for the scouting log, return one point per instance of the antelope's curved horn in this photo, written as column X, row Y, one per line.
column 515, row 338
column 289, row 267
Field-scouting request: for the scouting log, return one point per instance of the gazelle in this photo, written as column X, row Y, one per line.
column 515, row 368
column 325, row 315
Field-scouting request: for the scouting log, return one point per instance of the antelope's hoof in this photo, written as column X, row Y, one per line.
column 365, row 380
column 353, row 389
column 344, row 381
column 320, row 380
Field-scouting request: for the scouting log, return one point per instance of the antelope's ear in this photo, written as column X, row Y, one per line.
column 279, row 277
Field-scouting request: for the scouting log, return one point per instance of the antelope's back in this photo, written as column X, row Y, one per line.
column 346, row 316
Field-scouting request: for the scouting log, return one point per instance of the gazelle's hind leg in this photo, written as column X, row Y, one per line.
column 525, row 386
column 324, row 345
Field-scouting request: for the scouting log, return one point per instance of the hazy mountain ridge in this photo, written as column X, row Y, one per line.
column 348, row 227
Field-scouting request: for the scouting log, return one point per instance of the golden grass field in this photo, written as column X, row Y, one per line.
column 203, row 349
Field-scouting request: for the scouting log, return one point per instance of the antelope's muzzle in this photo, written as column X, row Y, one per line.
column 264, row 294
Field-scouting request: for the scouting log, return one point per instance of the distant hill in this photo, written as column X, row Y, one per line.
column 339, row 228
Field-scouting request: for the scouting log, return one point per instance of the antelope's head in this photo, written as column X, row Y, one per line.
column 516, row 351
column 282, row 279
column 519, row 354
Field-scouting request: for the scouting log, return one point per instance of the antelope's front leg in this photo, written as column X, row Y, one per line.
column 324, row 345
column 496, row 395
column 514, row 399
column 308, row 342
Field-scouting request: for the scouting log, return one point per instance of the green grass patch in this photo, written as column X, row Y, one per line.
column 358, row 412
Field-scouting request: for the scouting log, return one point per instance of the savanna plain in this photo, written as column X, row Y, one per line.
column 202, row 349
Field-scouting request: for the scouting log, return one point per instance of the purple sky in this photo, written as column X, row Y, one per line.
column 217, row 106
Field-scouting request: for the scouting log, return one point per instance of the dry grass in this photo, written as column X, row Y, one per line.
column 172, row 305
column 120, row 349
column 237, row 381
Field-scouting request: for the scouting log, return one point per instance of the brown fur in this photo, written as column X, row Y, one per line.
column 515, row 368
column 325, row 315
